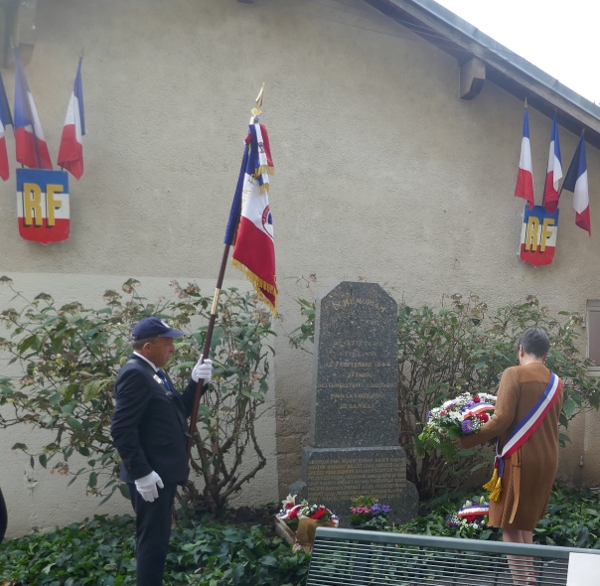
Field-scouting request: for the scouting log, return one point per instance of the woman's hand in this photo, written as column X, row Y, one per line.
column 458, row 443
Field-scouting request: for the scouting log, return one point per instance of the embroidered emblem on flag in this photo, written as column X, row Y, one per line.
column 43, row 205
column 538, row 236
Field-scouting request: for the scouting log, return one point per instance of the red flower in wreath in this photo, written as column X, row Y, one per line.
column 318, row 513
column 476, row 399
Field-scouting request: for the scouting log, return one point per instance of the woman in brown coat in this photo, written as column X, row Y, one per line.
column 529, row 472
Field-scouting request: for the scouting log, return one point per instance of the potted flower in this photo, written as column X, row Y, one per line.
column 368, row 513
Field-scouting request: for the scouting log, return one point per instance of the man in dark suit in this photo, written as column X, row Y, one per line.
column 149, row 429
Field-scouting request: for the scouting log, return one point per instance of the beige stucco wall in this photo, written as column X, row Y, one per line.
column 381, row 172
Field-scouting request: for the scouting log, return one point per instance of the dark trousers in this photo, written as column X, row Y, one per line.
column 153, row 524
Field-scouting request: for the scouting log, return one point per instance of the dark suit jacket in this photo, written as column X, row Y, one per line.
column 146, row 427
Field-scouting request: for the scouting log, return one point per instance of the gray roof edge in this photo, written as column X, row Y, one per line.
column 508, row 56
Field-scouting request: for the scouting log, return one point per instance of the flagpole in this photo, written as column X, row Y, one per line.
column 213, row 311
column 205, row 352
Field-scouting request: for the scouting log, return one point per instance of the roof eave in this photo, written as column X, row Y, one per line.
column 503, row 67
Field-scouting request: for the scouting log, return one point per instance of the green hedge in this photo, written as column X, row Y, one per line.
column 572, row 520
column 102, row 552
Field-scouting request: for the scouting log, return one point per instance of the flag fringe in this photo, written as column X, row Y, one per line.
column 264, row 170
column 258, row 284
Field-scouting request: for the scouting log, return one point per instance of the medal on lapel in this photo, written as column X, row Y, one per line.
column 158, row 379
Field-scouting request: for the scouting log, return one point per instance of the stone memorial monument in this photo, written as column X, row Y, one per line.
column 354, row 449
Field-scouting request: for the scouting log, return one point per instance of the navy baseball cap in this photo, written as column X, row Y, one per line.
column 153, row 327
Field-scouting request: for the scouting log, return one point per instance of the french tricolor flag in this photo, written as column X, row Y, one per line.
column 32, row 150
column 70, row 153
column 5, row 120
column 553, row 172
column 576, row 181
column 524, row 186
column 254, row 252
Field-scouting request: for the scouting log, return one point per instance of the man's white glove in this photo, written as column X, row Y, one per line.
column 148, row 486
column 202, row 370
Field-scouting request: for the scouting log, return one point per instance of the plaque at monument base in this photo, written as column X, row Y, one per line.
column 354, row 430
column 335, row 476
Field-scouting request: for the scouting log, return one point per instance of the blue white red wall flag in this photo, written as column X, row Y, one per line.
column 576, row 181
column 5, row 120
column 553, row 172
column 43, row 205
column 32, row 150
column 524, row 187
column 254, row 252
column 70, row 153
column 538, row 236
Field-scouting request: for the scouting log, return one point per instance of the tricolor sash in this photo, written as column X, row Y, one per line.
column 522, row 432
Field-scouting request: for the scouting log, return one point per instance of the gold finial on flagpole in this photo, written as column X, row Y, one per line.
column 256, row 111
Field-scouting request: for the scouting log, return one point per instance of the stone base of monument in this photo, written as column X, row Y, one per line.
column 334, row 476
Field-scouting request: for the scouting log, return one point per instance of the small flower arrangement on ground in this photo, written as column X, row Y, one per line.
column 456, row 418
column 368, row 513
column 291, row 513
column 471, row 519
column 319, row 513
column 297, row 522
